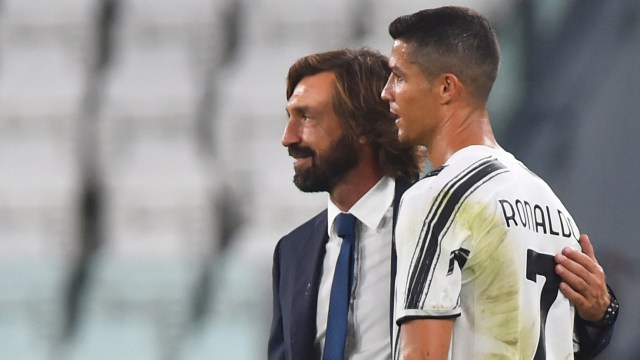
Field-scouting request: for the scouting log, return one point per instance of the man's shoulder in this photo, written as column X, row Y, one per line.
column 311, row 226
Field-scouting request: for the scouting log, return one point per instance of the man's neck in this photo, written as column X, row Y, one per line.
column 354, row 187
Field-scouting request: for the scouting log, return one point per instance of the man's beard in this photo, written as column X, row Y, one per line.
column 327, row 170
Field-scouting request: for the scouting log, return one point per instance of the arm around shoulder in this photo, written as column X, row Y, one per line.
column 594, row 337
column 584, row 284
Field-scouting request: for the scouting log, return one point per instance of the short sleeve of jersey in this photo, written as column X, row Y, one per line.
column 433, row 241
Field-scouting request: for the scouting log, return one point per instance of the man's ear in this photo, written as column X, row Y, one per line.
column 449, row 86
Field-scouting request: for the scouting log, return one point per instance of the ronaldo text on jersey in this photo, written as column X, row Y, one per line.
column 477, row 242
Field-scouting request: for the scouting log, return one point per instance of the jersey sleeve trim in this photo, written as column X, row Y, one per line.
column 403, row 319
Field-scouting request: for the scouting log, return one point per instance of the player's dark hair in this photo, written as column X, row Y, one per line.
column 452, row 40
column 361, row 74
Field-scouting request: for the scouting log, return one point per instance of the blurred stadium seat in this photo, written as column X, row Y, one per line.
column 41, row 92
column 66, row 24
column 149, row 95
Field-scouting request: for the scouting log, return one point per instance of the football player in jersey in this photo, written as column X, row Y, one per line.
column 476, row 238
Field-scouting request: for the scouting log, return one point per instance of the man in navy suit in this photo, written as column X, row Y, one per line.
column 343, row 140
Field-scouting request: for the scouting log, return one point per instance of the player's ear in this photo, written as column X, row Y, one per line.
column 449, row 87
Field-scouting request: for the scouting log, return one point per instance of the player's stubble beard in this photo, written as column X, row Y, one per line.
column 328, row 169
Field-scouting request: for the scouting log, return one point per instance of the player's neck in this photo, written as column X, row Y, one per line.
column 459, row 130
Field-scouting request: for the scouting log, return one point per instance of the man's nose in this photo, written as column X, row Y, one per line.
column 291, row 133
column 386, row 94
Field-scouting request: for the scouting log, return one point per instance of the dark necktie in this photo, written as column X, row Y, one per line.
column 340, row 289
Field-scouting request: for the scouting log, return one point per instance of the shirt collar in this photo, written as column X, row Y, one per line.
column 370, row 208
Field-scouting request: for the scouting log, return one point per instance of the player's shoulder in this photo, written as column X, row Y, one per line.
column 476, row 157
column 468, row 170
column 468, row 166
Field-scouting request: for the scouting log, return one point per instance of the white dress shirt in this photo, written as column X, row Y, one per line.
column 368, row 332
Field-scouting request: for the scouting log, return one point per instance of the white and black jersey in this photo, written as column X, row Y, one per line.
column 476, row 241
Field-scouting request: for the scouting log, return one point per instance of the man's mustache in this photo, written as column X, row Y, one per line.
column 298, row 151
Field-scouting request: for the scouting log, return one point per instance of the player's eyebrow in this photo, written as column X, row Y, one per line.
column 396, row 69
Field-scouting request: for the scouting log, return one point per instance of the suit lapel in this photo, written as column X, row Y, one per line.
column 307, row 275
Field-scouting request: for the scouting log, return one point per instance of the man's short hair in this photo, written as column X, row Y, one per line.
column 452, row 40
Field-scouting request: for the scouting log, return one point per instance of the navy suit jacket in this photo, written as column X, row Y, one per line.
column 297, row 269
